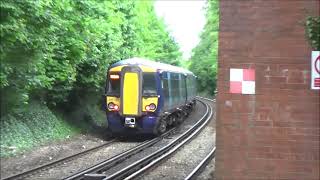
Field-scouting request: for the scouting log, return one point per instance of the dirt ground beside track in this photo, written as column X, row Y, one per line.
column 47, row 153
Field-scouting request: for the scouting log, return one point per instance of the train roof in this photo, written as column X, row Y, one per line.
column 152, row 64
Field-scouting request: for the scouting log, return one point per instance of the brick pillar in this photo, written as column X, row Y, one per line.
column 273, row 134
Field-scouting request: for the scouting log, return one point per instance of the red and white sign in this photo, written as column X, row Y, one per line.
column 315, row 70
column 242, row 81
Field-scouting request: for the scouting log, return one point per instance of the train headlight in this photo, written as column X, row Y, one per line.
column 147, row 107
column 150, row 107
column 113, row 106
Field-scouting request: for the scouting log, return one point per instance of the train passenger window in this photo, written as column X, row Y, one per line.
column 166, row 94
column 114, row 85
column 149, row 86
column 183, row 91
column 175, row 88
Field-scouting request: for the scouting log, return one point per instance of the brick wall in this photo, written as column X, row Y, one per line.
column 275, row 133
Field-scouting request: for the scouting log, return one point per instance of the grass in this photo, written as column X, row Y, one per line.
column 30, row 127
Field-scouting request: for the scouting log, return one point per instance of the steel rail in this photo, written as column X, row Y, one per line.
column 202, row 164
column 167, row 154
column 130, row 169
column 213, row 100
column 119, row 157
column 56, row 162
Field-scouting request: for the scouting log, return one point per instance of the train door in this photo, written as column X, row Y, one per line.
column 131, row 81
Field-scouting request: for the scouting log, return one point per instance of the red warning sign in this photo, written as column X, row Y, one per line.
column 242, row 81
column 317, row 82
column 317, row 65
column 315, row 70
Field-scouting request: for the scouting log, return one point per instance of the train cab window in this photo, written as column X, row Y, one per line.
column 114, row 84
column 149, row 87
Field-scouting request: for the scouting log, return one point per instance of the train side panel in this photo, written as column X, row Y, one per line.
column 177, row 89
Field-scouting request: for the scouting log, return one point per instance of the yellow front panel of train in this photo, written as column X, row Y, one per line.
column 112, row 99
column 147, row 101
column 130, row 94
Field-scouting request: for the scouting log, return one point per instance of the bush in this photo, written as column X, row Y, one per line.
column 313, row 31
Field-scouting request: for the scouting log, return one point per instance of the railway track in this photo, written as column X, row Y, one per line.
column 97, row 171
column 55, row 163
column 118, row 158
column 140, row 166
column 201, row 165
column 206, row 160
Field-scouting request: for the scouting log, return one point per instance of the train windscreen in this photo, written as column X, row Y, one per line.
column 149, row 86
column 114, row 84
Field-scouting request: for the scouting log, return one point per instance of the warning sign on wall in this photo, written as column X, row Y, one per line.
column 242, row 81
column 315, row 70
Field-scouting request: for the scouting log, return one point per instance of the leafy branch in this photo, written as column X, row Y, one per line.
column 312, row 28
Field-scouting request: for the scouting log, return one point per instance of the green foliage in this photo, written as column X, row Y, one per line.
column 204, row 55
column 185, row 63
column 51, row 49
column 31, row 126
column 313, row 31
column 86, row 111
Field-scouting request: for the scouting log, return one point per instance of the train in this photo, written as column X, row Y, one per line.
column 147, row 97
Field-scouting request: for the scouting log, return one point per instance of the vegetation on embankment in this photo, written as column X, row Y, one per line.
column 54, row 56
column 204, row 59
column 31, row 126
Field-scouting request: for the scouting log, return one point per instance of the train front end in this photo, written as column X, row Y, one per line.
column 132, row 99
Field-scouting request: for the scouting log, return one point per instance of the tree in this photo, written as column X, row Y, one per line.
column 204, row 55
